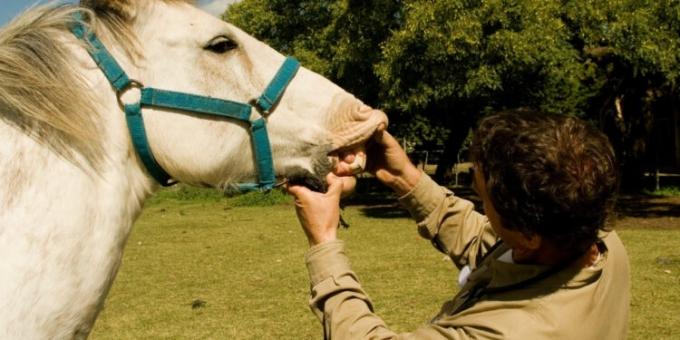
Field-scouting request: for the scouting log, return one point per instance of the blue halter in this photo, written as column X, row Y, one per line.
column 151, row 97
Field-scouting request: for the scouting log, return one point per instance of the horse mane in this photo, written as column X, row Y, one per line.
column 41, row 91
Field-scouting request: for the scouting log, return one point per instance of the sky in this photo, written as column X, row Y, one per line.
column 10, row 8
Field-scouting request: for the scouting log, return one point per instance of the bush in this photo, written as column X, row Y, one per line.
column 185, row 193
column 260, row 199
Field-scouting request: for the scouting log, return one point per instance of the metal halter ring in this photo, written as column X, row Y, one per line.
column 133, row 84
column 254, row 103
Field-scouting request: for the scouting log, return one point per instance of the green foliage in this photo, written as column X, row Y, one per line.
column 640, row 34
column 338, row 39
column 471, row 52
column 453, row 59
column 633, row 46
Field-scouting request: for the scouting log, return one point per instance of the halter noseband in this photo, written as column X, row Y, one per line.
column 151, row 97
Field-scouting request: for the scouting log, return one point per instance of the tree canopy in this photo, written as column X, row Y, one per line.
column 437, row 66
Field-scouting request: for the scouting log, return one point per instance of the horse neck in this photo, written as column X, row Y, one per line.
column 63, row 225
column 62, row 234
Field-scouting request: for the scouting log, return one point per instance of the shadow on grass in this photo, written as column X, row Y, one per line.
column 377, row 200
column 648, row 206
column 385, row 211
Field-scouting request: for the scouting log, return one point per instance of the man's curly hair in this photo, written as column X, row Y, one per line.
column 555, row 176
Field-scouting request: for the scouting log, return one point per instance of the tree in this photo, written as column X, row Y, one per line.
column 454, row 61
column 632, row 46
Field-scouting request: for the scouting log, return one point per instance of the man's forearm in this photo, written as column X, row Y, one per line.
column 406, row 181
column 461, row 232
column 338, row 300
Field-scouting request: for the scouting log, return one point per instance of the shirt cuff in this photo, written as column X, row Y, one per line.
column 327, row 260
column 424, row 198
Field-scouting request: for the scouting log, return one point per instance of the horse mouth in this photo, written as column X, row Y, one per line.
column 351, row 127
column 325, row 161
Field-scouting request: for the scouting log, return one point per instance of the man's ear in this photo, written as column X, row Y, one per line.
column 532, row 242
column 125, row 9
column 527, row 246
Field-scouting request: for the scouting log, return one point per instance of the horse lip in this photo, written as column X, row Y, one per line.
column 353, row 123
column 358, row 142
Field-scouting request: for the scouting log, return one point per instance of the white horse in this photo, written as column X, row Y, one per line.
column 71, row 183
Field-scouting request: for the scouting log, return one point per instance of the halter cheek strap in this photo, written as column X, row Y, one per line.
column 151, row 97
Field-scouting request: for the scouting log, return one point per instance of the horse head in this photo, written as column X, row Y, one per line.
column 174, row 46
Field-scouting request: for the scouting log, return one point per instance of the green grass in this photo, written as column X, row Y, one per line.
column 247, row 264
column 655, row 267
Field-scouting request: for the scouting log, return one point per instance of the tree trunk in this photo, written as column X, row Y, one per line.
column 459, row 131
column 628, row 123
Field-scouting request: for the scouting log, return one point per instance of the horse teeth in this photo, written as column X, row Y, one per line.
column 359, row 164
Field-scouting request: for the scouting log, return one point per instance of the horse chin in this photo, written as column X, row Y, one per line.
column 324, row 164
column 314, row 179
column 307, row 179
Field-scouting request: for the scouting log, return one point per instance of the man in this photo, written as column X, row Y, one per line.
column 539, row 265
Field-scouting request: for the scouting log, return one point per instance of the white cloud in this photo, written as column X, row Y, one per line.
column 215, row 7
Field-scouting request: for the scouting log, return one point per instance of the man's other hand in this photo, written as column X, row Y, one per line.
column 319, row 213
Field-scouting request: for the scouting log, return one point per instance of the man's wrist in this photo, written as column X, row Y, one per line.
column 315, row 241
column 406, row 181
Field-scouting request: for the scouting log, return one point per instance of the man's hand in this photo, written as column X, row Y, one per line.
column 390, row 164
column 386, row 160
column 319, row 214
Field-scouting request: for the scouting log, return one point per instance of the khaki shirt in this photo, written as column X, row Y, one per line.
column 500, row 300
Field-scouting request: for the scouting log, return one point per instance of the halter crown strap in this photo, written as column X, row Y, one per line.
column 274, row 91
column 101, row 56
column 188, row 102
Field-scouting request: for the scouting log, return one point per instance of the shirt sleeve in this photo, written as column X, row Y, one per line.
column 346, row 311
column 450, row 222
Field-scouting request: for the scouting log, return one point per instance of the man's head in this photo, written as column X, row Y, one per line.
column 547, row 175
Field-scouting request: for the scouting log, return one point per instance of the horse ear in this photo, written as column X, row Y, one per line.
column 125, row 9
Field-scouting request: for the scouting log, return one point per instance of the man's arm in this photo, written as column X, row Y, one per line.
column 346, row 311
column 338, row 299
column 451, row 222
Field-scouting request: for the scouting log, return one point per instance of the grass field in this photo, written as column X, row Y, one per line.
column 198, row 266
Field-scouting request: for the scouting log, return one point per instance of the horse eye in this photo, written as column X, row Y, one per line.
column 221, row 45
